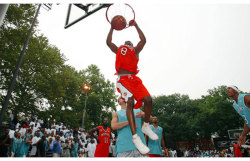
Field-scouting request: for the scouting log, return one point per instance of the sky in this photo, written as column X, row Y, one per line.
column 191, row 47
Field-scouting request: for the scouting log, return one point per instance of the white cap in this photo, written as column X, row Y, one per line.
column 234, row 87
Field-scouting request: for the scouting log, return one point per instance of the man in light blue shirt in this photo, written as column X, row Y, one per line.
column 124, row 144
column 156, row 147
column 242, row 106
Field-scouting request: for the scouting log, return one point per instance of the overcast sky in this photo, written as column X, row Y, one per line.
column 190, row 47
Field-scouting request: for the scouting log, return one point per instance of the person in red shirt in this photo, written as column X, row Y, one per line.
column 237, row 152
column 103, row 139
column 130, row 86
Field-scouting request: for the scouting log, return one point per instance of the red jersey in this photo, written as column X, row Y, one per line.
column 102, row 148
column 126, row 59
column 104, row 136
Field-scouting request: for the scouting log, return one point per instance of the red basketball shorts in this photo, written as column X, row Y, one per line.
column 131, row 86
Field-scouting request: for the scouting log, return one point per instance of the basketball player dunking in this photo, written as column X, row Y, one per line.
column 104, row 133
column 130, row 86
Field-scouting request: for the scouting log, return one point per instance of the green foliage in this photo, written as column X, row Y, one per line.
column 46, row 86
column 217, row 113
column 186, row 119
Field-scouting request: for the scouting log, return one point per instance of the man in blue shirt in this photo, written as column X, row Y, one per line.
column 124, row 144
column 156, row 147
column 242, row 106
column 57, row 147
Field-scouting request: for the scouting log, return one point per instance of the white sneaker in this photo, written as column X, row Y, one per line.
column 148, row 131
column 143, row 149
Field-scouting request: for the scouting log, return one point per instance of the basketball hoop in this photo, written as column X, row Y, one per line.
column 124, row 10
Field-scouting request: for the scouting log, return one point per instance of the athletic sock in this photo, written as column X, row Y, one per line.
column 134, row 136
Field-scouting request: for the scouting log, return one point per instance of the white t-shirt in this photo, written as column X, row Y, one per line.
column 47, row 131
column 22, row 131
column 91, row 149
column 57, row 127
column 38, row 125
column 113, row 135
column 17, row 125
column 32, row 123
column 11, row 133
column 53, row 138
column 95, row 141
column 84, row 136
column 34, row 131
column 62, row 139
column 34, row 147
column 60, row 127
column 54, row 130
column 65, row 131
column 174, row 153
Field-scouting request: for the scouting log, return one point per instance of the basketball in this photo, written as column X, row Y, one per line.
column 118, row 22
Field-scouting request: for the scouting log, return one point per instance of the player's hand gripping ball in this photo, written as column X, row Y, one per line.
column 132, row 23
column 118, row 22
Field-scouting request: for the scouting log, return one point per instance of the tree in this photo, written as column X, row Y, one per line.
column 175, row 114
column 13, row 34
column 217, row 113
column 46, row 86
column 185, row 120
column 101, row 98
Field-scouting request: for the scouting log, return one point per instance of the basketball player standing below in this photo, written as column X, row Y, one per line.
column 124, row 145
column 242, row 106
column 130, row 86
column 104, row 133
column 156, row 146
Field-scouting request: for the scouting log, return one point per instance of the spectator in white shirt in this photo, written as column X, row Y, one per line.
column 53, row 129
column 22, row 131
column 91, row 148
column 18, row 125
column 35, row 140
column 32, row 123
column 11, row 131
column 38, row 125
column 62, row 138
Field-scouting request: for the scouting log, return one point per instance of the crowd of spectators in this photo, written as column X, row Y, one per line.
column 31, row 137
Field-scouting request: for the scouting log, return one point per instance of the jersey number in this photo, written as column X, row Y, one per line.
column 106, row 140
column 124, row 51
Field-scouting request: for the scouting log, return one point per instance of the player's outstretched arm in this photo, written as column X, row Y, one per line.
column 142, row 41
column 242, row 138
column 115, row 125
column 163, row 144
column 111, row 45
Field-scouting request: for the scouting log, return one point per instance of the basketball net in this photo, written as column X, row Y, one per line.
column 124, row 10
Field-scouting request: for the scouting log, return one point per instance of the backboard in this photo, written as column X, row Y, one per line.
column 87, row 10
column 234, row 134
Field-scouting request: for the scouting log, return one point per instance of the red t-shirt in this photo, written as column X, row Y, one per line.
column 237, row 151
column 126, row 59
